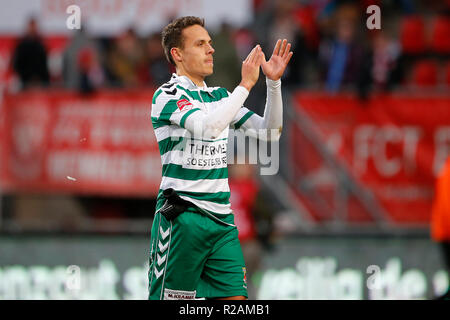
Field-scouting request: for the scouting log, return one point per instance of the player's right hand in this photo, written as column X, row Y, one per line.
column 250, row 68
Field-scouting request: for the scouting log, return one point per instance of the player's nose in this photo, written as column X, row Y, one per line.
column 210, row 49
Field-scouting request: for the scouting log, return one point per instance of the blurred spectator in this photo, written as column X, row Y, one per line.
column 30, row 58
column 341, row 56
column 277, row 21
column 283, row 25
column 81, row 66
column 252, row 216
column 304, row 63
column 227, row 68
column 379, row 67
column 385, row 54
column 159, row 70
column 440, row 218
column 126, row 61
column 243, row 41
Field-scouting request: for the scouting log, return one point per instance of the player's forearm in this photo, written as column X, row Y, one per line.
column 210, row 126
column 270, row 125
column 273, row 112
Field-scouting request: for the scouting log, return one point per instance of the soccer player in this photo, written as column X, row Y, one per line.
column 197, row 254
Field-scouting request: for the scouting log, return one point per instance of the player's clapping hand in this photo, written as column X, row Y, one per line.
column 250, row 67
column 274, row 68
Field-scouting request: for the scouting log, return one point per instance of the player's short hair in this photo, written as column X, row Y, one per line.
column 172, row 34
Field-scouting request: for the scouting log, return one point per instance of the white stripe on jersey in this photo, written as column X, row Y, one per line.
column 207, row 185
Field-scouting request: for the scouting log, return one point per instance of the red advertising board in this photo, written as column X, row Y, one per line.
column 392, row 146
column 58, row 141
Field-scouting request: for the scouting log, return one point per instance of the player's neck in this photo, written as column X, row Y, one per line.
column 197, row 80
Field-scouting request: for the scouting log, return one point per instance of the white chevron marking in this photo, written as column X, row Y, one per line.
column 162, row 247
column 161, row 260
column 158, row 273
column 164, row 234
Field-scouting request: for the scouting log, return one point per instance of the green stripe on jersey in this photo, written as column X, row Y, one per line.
column 170, row 143
column 183, row 119
column 171, row 105
column 155, row 96
column 213, row 96
column 193, row 94
column 241, row 121
column 159, row 123
column 220, row 93
column 178, row 172
column 169, row 108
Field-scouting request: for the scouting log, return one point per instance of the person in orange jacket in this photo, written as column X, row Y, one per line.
column 440, row 217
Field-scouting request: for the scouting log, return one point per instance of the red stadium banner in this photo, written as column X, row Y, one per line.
column 391, row 146
column 57, row 141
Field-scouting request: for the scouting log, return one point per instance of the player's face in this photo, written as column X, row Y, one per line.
column 197, row 52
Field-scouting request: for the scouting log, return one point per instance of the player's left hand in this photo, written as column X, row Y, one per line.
column 274, row 68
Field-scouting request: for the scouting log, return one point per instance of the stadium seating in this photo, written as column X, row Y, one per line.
column 425, row 73
column 412, row 35
column 440, row 35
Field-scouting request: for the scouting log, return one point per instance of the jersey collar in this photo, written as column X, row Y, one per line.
column 186, row 82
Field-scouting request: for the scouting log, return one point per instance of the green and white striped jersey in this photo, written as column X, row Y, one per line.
column 195, row 167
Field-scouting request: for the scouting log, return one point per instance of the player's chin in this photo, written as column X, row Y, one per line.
column 209, row 70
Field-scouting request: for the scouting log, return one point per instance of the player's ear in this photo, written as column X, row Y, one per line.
column 176, row 54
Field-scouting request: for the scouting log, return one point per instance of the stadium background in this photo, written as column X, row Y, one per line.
column 366, row 132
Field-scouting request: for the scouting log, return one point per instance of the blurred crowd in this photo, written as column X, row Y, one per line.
column 334, row 49
column 88, row 63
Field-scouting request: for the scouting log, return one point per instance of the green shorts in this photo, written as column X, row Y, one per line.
column 194, row 256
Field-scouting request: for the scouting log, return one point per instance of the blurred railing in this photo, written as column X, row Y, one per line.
column 363, row 166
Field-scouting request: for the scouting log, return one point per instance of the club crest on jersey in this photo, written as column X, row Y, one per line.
column 184, row 105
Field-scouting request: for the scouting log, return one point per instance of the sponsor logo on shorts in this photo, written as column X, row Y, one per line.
column 184, row 104
column 170, row 294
